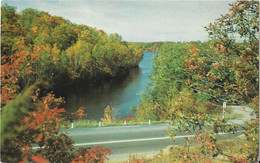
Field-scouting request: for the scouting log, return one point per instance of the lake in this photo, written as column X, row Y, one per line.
column 123, row 93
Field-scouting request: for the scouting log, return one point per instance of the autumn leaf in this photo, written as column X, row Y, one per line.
column 38, row 159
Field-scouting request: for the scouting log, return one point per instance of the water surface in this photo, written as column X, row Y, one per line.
column 123, row 93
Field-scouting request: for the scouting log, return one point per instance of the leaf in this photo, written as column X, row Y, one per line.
column 61, row 110
column 39, row 137
column 39, row 159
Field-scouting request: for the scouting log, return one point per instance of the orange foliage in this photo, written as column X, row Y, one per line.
column 13, row 67
column 193, row 49
column 36, row 159
column 129, row 118
column 10, row 75
column 237, row 160
column 48, row 112
column 96, row 154
column 80, row 113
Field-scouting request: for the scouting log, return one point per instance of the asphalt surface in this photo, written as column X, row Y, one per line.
column 140, row 140
column 137, row 140
column 247, row 113
column 93, row 134
column 124, row 140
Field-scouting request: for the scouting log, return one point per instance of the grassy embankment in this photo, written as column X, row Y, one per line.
column 94, row 123
column 230, row 114
column 175, row 153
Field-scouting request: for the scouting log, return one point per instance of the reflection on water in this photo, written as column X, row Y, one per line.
column 122, row 92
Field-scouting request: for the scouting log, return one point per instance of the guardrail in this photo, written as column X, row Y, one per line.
column 120, row 123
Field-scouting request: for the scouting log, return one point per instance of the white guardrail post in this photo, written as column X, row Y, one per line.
column 99, row 124
column 223, row 112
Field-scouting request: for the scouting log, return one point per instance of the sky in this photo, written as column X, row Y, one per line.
column 137, row 21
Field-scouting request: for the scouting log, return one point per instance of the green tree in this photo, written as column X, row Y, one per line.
column 223, row 69
column 63, row 35
column 235, row 40
column 10, row 29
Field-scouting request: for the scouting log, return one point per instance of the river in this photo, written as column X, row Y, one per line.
column 123, row 93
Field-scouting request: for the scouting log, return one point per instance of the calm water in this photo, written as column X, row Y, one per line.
column 122, row 92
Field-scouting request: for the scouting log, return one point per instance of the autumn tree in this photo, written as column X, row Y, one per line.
column 56, row 47
column 107, row 115
column 235, row 40
column 37, row 46
column 10, row 29
column 35, row 119
column 190, row 81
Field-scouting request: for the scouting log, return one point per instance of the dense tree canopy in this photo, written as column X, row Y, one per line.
column 222, row 69
column 36, row 47
column 52, row 48
column 149, row 46
column 191, row 80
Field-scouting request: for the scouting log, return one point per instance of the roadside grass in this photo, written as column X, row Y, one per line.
column 230, row 114
column 229, row 146
column 95, row 123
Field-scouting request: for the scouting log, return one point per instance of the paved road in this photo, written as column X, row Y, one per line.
column 89, row 134
column 126, row 140
column 139, row 139
column 247, row 113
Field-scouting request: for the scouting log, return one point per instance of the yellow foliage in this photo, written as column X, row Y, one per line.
column 34, row 29
column 55, row 53
column 107, row 115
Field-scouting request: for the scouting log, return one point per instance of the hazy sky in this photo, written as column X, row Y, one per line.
column 138, row 21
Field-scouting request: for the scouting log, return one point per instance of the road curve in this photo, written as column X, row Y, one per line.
column 247, row 112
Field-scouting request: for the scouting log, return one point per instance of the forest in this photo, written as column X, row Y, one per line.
column 190, row 82
column 149, row 46
column 40, row 52
column 37, row 46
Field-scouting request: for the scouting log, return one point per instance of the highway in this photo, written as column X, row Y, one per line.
column 123, row 140
column 127, row 140
column 139, row 139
